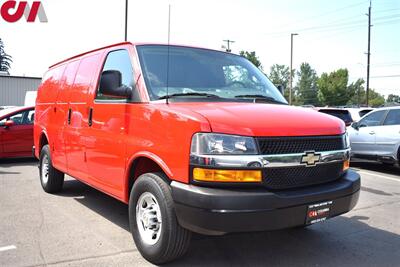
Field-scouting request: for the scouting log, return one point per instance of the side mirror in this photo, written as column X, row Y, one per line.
column 355, row 125
column 280, row 88
column 111, row 84
column 8, row 123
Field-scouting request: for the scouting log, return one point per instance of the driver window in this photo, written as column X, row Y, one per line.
column 373, row 119
column 120, row 61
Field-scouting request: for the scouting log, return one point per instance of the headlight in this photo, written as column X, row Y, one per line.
column 222, row 144
column 346, row 140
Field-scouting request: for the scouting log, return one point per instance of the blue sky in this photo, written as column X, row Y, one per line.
column 332, row 34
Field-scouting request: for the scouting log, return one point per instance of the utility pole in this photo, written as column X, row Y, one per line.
column 126, row 20
column 291, row 67
column 369, row 50
column 228, row 47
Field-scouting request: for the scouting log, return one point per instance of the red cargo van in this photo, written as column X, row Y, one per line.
column 194, row 140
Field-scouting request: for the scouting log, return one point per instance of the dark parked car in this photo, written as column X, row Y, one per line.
column 348, row 115
column 340, row 113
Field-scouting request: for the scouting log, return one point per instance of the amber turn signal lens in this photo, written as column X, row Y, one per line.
column 227, row 176
column 346, row 165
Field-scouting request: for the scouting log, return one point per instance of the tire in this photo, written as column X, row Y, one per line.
column 51, row 179
column 167, row 241
column 398, row 157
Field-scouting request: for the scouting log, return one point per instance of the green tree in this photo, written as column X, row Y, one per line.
column 280, row 75
column 375, row 99
column 307, row 92
column 356, row 93
column 392, row 98
column 252, row 57
column 5, row 59
column 360, row 96
column 333, row 88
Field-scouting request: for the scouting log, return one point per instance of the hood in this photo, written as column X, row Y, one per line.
column 259, row 119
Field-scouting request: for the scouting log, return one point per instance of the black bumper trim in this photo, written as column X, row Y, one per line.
column 219, row 211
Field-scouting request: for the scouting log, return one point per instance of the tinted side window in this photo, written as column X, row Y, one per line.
column 120, row 61
column 344, row 115
column 373, row 119
column 30, row 116
column 364, row 112
column 21, row 118
column 393, row 117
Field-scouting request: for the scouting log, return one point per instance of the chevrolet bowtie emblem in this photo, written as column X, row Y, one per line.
column 310, row 158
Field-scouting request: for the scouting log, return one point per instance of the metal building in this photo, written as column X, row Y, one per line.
column 14, row 88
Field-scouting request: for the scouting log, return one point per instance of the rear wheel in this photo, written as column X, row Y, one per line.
column 52, row 180
column 398, row 157
column 153, row 223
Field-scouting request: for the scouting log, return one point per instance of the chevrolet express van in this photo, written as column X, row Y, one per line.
column 194, row 140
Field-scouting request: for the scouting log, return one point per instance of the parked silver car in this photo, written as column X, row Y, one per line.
column 376, row 136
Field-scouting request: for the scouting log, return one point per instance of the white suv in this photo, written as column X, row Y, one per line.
column 377, row 136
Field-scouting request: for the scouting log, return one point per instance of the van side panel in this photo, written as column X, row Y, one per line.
column 76, row 133
column 59, row 158
column 45, row 105
column 106, row 149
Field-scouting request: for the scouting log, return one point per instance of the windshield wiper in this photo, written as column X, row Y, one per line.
column 261, row 97
column 188, row 94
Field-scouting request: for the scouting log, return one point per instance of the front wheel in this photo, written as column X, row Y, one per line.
column 153, row 223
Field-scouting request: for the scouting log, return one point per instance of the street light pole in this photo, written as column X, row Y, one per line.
column 126, row 20
column 291, row 67
column 369, row 51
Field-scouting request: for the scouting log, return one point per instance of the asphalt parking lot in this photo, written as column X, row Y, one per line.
column 83, row 227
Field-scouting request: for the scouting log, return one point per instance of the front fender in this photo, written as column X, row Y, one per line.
column 145, row 154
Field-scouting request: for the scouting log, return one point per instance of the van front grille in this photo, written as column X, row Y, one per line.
column 298, row 176
column 299, row 144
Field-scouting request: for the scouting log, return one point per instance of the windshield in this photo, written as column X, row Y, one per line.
column 195, row 72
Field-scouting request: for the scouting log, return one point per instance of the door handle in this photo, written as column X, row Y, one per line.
column 69, row 115
column 371, row 132
column 90, row 119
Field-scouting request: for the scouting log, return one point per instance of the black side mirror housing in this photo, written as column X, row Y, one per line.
column 280, row 88
column 111, row 85
column 355, row 125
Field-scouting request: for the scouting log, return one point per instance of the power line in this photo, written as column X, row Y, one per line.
column 386, row 76
column 345, row 23
column 386, row 10
column 327, row 13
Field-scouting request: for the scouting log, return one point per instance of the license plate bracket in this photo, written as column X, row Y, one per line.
column 318, row 212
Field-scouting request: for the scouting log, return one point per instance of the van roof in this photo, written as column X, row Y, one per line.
column 88, row 52
column 127, row 43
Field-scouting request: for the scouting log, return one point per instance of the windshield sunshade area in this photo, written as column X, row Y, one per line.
column 201, row 73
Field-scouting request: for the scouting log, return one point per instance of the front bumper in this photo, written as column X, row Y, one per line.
column 215, row 211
